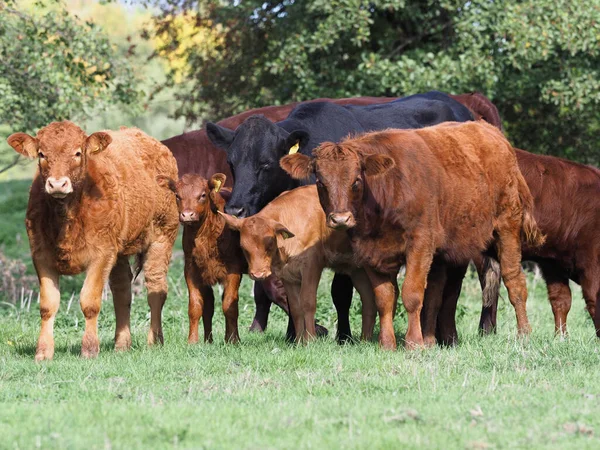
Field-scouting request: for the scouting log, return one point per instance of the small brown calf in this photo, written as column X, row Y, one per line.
column 93, row 203
column 290, row 239
column 212, row 252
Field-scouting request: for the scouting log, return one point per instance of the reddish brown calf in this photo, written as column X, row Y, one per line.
column 212, row 253
column 451, row 191
column 296, row 248
column 93, row 203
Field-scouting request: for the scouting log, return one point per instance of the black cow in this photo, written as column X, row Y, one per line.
column 255, row 147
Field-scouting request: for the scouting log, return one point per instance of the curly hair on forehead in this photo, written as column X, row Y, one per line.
column 335, row 152
column 61, row 132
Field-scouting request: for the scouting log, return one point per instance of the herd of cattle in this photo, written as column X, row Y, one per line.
column 362, row 186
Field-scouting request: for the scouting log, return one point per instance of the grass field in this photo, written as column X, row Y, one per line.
column 493, row 392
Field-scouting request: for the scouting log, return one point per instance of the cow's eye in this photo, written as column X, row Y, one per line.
column 265, row 166
column 203, row 196
column 78, row 154
column 356, row 184
column 41, row 155
column 177, row 197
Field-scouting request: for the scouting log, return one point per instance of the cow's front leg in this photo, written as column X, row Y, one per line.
column 91, row 301
column 49, row 303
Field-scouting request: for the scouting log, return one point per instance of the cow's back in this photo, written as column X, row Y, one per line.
column 132, row 162
column 567, row 205
column 415, row 111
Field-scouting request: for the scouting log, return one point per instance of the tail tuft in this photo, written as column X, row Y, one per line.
column 531, row 233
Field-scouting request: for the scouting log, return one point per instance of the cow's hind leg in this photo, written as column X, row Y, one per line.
column 446, row 332
column 559, row 295
column 509, row 254
column 156, row 266
column 432, row 301
column 230, row 307
column 120, row 286
column 49, row 302
column 361, row 282
column 590, row 285
column 341, row 294
column 263, row 307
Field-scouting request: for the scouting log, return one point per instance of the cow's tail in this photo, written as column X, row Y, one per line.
column 530, row 232
column 488, row 270
column 140, row 259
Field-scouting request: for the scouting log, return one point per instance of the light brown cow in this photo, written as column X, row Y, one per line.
column 290, row 239
column 93, row 203
column 450, row 192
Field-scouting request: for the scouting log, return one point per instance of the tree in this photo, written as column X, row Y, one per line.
column 538, row 60
column 54, row 67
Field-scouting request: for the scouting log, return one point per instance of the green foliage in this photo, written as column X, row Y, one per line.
column 55, row 67
column 538, row 60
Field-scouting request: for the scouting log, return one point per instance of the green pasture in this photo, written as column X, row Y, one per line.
column 493, row 392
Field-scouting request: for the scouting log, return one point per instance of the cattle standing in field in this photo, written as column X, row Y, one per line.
column 567, row 209
column 296, row 248
column 255, row 147
column 195, row 153
column 93, row 203
column 449, row 193
column 212, row 253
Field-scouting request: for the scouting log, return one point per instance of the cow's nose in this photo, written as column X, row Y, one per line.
column 236, row 211
column 187, row 216
column 340, row 220
column 59, row 187
column 260, row 274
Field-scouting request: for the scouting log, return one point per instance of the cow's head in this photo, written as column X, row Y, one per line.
column 259, row 239
column 341, row 172
column 196, row 196
column 63, row 151
column 253, row 153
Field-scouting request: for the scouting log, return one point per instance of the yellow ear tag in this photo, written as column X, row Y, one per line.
column 217, row 187
column 294, row 148
column 285, row 234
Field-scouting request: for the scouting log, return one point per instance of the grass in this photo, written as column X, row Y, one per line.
column 493, row 392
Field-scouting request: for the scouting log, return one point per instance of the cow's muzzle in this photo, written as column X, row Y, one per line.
column 341, row 221
column 59, row 187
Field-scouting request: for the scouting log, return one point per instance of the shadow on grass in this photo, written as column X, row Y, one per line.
column 66, row 348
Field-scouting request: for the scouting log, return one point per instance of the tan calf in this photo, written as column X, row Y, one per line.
column 93, row 203
column 290, row 239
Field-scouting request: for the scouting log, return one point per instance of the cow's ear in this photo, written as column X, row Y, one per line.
column 299, row 166
column 377, row 164
column 220, row 136
column 295, row 141
column 167, row 183
column 216, row 182
column 235, row 223
column 24, row 144
column 282, row 231
column 97, row 142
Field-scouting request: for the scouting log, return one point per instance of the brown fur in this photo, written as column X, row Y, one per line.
column 455, row 191
column 566, row 196
column 212, row 253
column 296, row 248
column 116, row 210
column 481, row 107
